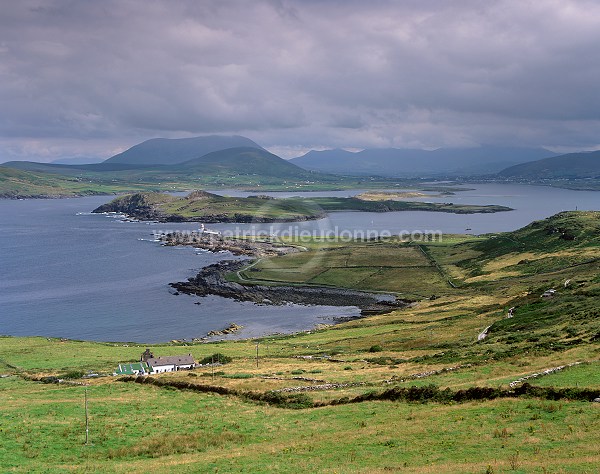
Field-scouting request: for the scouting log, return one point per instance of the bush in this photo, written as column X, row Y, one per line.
column 49, row 379
column 72, row 374
column 296, row 401
column 376, row 348
column 216, row 358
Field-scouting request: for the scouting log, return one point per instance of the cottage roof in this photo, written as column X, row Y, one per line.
column 131, row 369
column 171, row 360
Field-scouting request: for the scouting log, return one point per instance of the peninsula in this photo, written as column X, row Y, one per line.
column 211, row 208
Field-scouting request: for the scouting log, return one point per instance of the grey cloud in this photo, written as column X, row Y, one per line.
column 298, row 74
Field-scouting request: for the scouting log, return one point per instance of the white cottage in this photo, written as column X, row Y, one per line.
column 171, row 363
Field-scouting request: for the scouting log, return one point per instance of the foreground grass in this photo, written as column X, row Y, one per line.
column 140, row 428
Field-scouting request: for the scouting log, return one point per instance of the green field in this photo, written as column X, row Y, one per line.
column 378, row 266
column 360, row 424
column 142, row 429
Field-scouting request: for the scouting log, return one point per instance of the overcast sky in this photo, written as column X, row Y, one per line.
column 95, row 77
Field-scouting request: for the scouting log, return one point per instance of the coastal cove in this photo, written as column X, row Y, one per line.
column 64, row 271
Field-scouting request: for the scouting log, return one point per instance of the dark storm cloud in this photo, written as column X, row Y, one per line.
column 90, row 77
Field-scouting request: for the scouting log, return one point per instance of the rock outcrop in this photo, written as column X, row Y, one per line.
column 211, row 281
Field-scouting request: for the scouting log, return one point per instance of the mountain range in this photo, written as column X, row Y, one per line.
column 418, row 163
column 230, row 161
column 235, row 160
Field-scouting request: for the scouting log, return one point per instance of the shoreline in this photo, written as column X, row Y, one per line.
column 211, row 280
column 214, row 242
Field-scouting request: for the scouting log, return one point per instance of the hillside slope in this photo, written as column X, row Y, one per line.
column 165, row 151
column 73, row 170
column 208, row 207
column 16, row 183
column 243, row 161
column 572, row 166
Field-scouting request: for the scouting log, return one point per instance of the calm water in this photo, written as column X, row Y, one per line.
column 92, row 277
column 529, row 203
column 66, row 273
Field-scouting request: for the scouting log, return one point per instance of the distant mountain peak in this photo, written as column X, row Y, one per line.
column 172, row 151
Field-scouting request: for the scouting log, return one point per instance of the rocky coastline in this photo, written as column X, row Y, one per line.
column 211, row 280
column 215, row 242
column 147, row 207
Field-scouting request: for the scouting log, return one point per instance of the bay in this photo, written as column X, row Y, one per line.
column 67, row 273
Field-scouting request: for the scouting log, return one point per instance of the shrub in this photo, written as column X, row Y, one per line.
column 49, row 379
column 216, row 358
column 296, row 401
column 72, row 374
column 376, row 348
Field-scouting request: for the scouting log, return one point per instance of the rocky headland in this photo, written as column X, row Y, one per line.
column 211, row 280
column 202, row 206
column 215, row 242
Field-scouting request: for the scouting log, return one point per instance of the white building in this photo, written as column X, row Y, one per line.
column 171, row 363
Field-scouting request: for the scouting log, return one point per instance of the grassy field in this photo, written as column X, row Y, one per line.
column 381, row 266
column 137, row 428
column 352, row 425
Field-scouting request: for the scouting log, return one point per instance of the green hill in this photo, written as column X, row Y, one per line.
column 164, row 151
column 566, row 230
column 570, row 166
column 562, row 241
column 208, row 207
column 243, row 161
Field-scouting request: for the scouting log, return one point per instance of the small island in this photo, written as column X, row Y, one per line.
column 202, row 206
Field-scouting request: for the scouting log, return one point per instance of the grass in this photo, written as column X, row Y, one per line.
column 241, row 425
column 390, row 266
column 43, row 429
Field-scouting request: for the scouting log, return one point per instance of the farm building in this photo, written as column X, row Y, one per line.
column 171, row 363
column 149, row 364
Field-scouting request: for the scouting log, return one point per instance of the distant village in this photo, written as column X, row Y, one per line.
column 149, row 364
